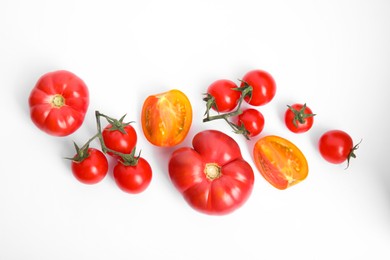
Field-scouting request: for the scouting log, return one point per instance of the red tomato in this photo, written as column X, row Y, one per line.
column 299, row 118
column 263, row 84
column 212, row 176
column 133, row 179
column 336, row 146
column 58, row 103
column 115, row 140
column 91, row 169
column 225, row 97
column 253, row 121
column 280, row 162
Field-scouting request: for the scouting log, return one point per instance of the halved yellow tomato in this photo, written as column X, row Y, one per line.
column 279, row 161
column 166, row 118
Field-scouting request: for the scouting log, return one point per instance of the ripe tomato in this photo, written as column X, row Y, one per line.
column 263, row 84
column 253, row 121
column 115, row 140
column 225, row 97
column 166, row 118
column 58, row 103
column 212, row 176
column 133, row 179
column 299, row 118
column 279, row 161
column 336, row 146
column 92, row 169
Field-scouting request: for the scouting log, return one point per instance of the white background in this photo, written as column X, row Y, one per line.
column 332, row 54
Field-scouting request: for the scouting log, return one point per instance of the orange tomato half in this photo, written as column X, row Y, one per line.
column 166, row 118
column 279, row 161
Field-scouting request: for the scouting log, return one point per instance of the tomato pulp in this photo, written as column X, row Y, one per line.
column 280, row 162
column 166, row 118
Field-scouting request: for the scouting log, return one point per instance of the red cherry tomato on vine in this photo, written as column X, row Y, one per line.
column 115, row 140
column 133, row 179
column 299, row 118
column 212, row 176
column 225, row 97
column 253, row 121
column 336, row 146
column 263, row 84
column 91, row 169
column 58, row 103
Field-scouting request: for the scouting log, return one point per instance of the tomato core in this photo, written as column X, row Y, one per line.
column 58, row 100
column 212, row 171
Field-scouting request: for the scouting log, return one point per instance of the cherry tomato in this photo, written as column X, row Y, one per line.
column 253, row 121
column 115, row 139
column 91, row 169
column 336, row 146
column 58, row 103
column 225, row 97
column 299, row 118
column 166, row 118
column 263, row 84
column 279, row 161
column 212, row 176
column 133, row 179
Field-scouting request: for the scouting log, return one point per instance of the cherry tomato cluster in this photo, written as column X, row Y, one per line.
column 257, row 88
column 132, row 173
column 58, row 104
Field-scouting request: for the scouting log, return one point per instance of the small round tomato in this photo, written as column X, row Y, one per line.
column 133, row 178
column 166, row 118
column 253, row 121
column 212, row 176
column 224, row 94
column 120, row 139
column 279, row 161
column 336, row 146
column 299, row 118
column 91, row 169
column 263, row 87
column 58, row 103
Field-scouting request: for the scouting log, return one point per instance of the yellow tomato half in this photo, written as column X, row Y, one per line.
column 279, row 161
column 166, row 118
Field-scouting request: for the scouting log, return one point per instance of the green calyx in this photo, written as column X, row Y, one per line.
column 300, row 115
column 352, row 153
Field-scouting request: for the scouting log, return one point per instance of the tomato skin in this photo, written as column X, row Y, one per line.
column 253, row 120
column 279, row 161
column 58, row 103
column 263, row 84
column 226, row 98
column 212, row 176
column 335, row 146
column 92, row 169
column 118, row 141
column 133, row 179
column 166, row 118
column 290, row 118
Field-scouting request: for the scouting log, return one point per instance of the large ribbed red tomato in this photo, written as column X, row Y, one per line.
column 212, row 176
column 58, row 103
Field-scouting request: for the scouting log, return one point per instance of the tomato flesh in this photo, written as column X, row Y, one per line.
column 280, row 162
column 166, row 118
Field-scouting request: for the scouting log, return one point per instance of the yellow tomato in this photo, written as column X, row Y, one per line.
column 166, row 118
column 279, row 161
